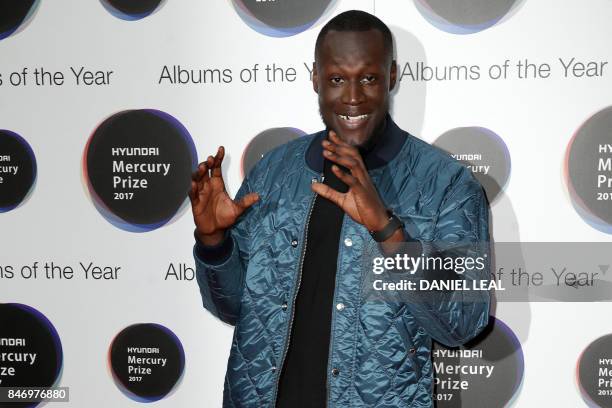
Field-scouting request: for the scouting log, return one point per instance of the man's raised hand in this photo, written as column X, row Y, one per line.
column 213, row 209
column 361, row 202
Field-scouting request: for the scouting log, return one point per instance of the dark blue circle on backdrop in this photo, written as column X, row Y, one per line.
column 484, row 152
column 138, row 166
column 588, row 170
column 265, row 142
column 594, row 371
column 131, row 9
column 13, row 13
column 17, row 170
column 464, row 16
column 147, row 361
column 28, row 333
column 281, row 18
column 491, row 365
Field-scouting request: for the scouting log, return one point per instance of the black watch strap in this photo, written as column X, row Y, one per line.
column 385, row 233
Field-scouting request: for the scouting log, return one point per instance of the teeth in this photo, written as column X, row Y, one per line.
column 353, row 118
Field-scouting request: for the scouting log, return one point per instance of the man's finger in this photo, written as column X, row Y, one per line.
column 340, row 146
column 216, row 169
column 327, row 192
column 358, row 169
column 200, row 176
column 247, row 201
column 333, row 136
column 346, row 178
column 199, row 196
column 203, row 190
column 220, row 153
column 193, row 191
column 199, row 172
column 346, row 150
column 345, row 161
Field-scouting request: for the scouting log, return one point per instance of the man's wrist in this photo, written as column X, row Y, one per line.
column 381, row 220
column 390, row 227
column 210, row 240
column 214, row 254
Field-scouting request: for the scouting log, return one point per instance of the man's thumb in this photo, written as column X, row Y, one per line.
column 248, row 200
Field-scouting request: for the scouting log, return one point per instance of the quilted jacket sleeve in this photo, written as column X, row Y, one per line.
column 461, row 231
column 221, row 277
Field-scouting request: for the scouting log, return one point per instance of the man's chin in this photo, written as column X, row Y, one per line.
column 354, row 137
column 358, row 138
column 357, row 141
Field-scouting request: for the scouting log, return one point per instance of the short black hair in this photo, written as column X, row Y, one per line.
column 356, row 20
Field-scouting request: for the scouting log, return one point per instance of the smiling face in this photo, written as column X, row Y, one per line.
column 353, row 75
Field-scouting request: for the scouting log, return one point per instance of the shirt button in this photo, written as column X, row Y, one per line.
column 294, row 243
column 348, row 242
column 314, row 180
column 273, row 368
column 412, row 350
column 284, row 306
column 335, row 372
column 340, row 307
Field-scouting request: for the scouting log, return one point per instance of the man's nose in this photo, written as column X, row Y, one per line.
column 353, row 93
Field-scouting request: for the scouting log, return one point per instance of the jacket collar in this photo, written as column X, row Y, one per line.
column 387, row 147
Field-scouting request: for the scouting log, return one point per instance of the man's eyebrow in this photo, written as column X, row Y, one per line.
column 342, row 65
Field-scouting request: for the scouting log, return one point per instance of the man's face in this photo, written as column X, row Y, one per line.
column 353, row 76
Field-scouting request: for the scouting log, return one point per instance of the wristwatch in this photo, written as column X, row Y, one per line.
column 392, row 225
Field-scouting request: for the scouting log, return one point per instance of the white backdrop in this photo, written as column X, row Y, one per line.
column 536, row 118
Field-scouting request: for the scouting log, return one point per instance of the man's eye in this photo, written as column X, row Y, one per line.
column 368, row 79
column 336, row 80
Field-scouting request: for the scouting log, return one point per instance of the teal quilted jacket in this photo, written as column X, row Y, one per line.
column 380, row 351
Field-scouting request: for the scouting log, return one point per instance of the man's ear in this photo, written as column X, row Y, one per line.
column 315, row 78
column 393, row 76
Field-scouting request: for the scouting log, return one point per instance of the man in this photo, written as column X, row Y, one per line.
column 283, row 261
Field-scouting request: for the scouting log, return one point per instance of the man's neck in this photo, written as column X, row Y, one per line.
column 375, row 139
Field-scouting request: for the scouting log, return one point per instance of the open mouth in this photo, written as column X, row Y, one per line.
column 354, row 120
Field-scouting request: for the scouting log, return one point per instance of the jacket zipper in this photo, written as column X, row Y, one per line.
column 295, row 294
column 331, row 334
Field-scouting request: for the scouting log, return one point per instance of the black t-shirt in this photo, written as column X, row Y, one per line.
column 303, row 382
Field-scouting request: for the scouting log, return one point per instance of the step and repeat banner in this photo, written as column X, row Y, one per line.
column 107, row 106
